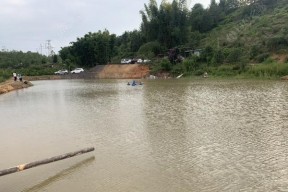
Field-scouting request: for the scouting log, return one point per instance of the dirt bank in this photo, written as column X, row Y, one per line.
column 11, row 85
column 120, row 71
column 111, row 71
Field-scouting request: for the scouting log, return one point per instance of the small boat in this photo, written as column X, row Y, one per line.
column 134, row 83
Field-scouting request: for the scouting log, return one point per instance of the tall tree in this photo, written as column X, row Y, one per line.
column 167, row 24
column 90, row 50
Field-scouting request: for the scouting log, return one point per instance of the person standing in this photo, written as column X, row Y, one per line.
column 15, row 76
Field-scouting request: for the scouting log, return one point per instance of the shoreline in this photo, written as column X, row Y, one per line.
column 11, row 85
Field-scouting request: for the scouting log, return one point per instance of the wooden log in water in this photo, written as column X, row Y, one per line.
column 45, row 161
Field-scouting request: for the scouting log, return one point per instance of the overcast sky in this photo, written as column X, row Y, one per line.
column 25, row 24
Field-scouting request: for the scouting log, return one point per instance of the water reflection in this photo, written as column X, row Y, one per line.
column 59, row 176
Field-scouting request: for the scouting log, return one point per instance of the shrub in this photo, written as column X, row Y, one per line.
column 5, row 74
column 277, row 43
column 199, row 72
column 262, row 57
column 254, row 51
column 269, row 70
column 177, row 69
column 166, row 65
column 150, row 47
column 234, row 55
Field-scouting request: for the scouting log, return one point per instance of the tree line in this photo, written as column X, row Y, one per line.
column 26, row 63
column 163, row 27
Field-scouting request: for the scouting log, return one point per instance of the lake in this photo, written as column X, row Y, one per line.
column 164, row 136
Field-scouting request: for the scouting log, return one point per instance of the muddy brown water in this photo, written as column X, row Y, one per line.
column 165, row 136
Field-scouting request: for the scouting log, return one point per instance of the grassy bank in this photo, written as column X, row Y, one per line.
column 259, row 71
column 5, row 74
column 266, row 70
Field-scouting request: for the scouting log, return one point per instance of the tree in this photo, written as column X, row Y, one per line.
column 167, row 24
column 55, row 59
column 197, row 17
column 91, row 50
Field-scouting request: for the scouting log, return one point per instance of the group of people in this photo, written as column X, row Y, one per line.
column 134, row 83
column 17, row 76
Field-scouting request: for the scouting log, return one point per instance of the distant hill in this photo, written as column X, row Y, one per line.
column 257, row 35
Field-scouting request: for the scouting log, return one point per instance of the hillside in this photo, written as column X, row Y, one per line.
column 257, row 37
column 230, row 37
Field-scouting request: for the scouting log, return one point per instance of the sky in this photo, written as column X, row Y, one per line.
column 28, row 24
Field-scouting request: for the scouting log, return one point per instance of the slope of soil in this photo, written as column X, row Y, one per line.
column 121, row 71
column 11, row 85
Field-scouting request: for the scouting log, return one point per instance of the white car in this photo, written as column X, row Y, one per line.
column 61, row 72
column 147, row 61
column 77, row 70
column 139, row 61
column 126, row 61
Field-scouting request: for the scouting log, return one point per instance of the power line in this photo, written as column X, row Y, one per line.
column 46, row 49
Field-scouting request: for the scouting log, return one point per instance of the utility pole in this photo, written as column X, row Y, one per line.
column 49, row 48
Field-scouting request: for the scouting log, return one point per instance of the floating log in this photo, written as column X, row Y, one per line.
column 45, row 161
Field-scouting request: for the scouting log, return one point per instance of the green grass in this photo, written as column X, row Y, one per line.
column 28, row 71
column 269, row 70
column 258, row 71
column 5, row 75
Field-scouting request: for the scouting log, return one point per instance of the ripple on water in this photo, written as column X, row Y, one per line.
column 184, row 135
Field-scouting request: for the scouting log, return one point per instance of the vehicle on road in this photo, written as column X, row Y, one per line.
column 61, row 72
column 77, row 70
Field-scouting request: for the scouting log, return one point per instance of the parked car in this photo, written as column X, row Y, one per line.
column 143, row 61
column 147, row 61
column 139, row 61
column 61, row 72
column 77, row 70
column 126, row 61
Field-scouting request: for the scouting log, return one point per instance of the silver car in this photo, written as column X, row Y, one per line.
column 61, row 72
column 77, row 70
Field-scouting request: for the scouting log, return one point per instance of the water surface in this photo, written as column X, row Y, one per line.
column 165, row 136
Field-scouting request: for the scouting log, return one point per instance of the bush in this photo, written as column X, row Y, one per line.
column 277, row 43
column 190, row 65
column 262, row 57
column 177, row 69
column 269, row 70
column 254, row 51
column 199, row 72
column 286, row 59
column 150, row 47
column 160, row 66
column 225, row 70
column 234, row 55
column 166, row 65
column 5, row 74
